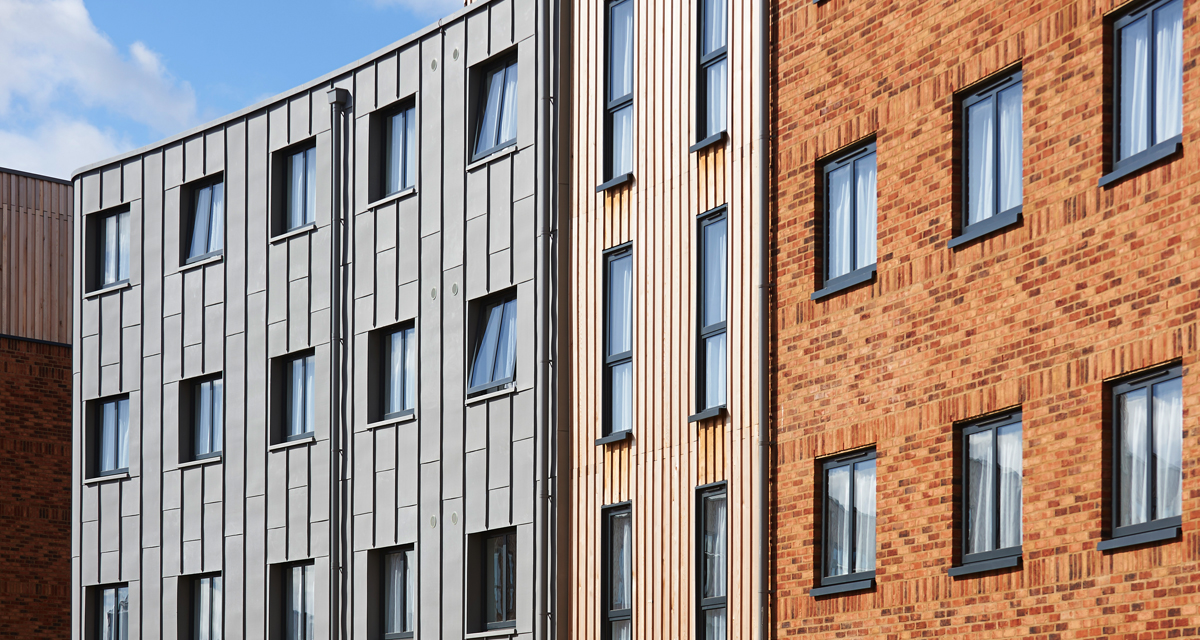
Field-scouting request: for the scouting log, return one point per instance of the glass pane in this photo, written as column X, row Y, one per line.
column 296, row 191
column 202, row 613
column 203, row 207
column 410, row 148
column 621, row 629
column 395, row 381
column 495, row 580
column 491, row 112
column 621, row 549
column 714, row 26
column 216, row 630
column 110, row 249
column 715, row 103
column 108, row 615
column 622, row 141
column 216, row 224
column 310, row 188
column 1135, row 87
column 122, row 434
column 1168, row 448
column 620, row 305
column 714, row 624
column 1008, row 441
column 410, row 369
column 864, row 200
column 1010, row 148
column 218, row 414
column 203, row 418
column 1168, row 71
column 837, row 521
column 108, row 436
column 122, row 613
column 715, row 367
column 393, row 599
column 410, row 588
column 981, row 507
column 123, row 246
column 715, row 523
column 394, row 163
column 506, row 345
column 980, row 154
column 620, row 61
column 485, row 356
column 508, row 107
column 622, row 397
column 841, row 224
column 1134, row 458
column 295, row 623
column 296, row 394
column 864, row 516
column 510, row 576
column 715, row 273
column 310, row 394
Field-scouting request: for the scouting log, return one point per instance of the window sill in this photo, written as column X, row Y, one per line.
column 845, row 587
column 299, row 442
column 1138, row 539
column 846, row 282
column 491, row 155
column 511, row 389
column 298, row 231
column 982, row 566
column 624, row 178
column 399, row 195
column 112, row 477
column 1143, row 160
column 619, row 436
column 200, row 262
column 707, row 413
column 124, row 284
column 709, row 142
column 200, row 463
column 491, row 633
column 998, row 222
column 387, row 422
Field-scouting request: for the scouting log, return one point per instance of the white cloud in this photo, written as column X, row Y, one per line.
column 434, row 8
column 58, row 146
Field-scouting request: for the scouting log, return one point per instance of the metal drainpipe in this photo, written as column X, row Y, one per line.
column 760, row 152
column 338, row 100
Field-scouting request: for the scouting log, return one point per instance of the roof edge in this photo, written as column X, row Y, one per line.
column 35, row 176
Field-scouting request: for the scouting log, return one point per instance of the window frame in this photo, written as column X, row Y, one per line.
column 852, row 581
column 1154, row 529
column 509, row 535
column 625, row 357
column 704, row 137
column 611, row 178
column 97, row 436
column 987, row 560
column 704, row 332
column 281, row 195
column 704, row 605
column 988, row 89
column 409, row 568
column 96, row 235
column 283, row 369
column 486, row 70
column 407, row 109
column 188, row 224
column 97, row 595
column 191, row 407
column 196, row 590
column 383, row 368
column 480, row 317
column 608, row 615
column 308, row 574
column 859, row 275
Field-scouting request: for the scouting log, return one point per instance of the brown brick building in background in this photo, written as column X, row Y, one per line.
column 1038, row 317
column 35, row 405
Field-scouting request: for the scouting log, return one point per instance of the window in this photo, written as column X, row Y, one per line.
column 301, row 396
column 498, row 120
column 619, row 93
column 848, row 539
column 1147, row 418
column 711, row 352
column 850, row 199
column 500, row 584
column 400, row 165
column 496, row 348
column 112, row 436
column 301, row 188
column 713, row 70
column 207, row 418
column 206, row 608
column 1149, row 68
column 618, row 587
column 618, row 348
column 109, row 245
column 207, row 222
column 112, row 613
column 713, row 551
column 300, row 599
column 400, row 594
column 400, row 372
column 991, row 494
column 992, row 154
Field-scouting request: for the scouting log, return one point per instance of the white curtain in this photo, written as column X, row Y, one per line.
column 310, row 603
column 108, row 437
column 200, row 221
column 295, row 621
column 216, row 631
column 1008, row 441
column 1010, row 148
column 506, row 347
column 715, row 546
column 714, row 25
column 122, row 613
column 310, row 393
column 1135, row 87
column 840, row 222
column 296, row 411
column 216, row 226
column 410, row 149
column 620, row 319
column 715, row 276
column 218, row 413
column 621, row 630
column 296, row 183
column 203, row 615
column 491, row 111
column 622, row 397
column 714, row 83
column 410, row 369
column 123, row 246
column 621, row 50
column 410, row 588
column 1135, row 477
column 717, row 366
column 310, row 185
column 1168, row 448
column 110, row 249
column 508, row 108
column 203, row 430
column 1168, row 71
column 622, row 141
column 980, row 156
column 122, row 434
column 864, row 173
column 714, row 624
column 394, row 598
column 837, row 529
column 980, row 506
column 864, row 516
column 621, row 549
column 485, row 356
column 396, row 373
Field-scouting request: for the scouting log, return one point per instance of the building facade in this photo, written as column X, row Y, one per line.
column 984, row 319
column 664, row 363
column 35, row 400
column 315, row 384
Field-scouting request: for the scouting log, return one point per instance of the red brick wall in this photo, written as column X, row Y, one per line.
column 35, row 490
column 1096, row 283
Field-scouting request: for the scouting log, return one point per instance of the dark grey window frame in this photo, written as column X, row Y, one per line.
column 188, row 224
column 860, row 275
column 625, row 357
column 94, row 231
column 281, row 192
column 281, row 396
column 1161, row 150
column 1004, row 558
column 510, row 538
column 1155, row 529
column 704, row 332
column 289, row 589
column 480, row 320
column 706, row 138
column 408, row 109
column 485, row 71
column 96, row 595
column 1001, row 219
column 96, row 436
column 831, row 585
column 608, row 614
column 612, row 106
column 189, row 414
column 704, row 605
column 194, row 597
column 383, row 369
column 408, row 567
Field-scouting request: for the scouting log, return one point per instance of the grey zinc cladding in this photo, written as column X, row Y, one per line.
column 457, row 468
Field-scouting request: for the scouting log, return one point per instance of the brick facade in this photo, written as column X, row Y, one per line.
column 35, row 489
column 1093, row 284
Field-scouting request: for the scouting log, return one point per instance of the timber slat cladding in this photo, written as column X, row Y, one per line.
column 35, row 258
column 659, row 467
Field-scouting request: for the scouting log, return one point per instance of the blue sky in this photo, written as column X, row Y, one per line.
column 82, row 80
